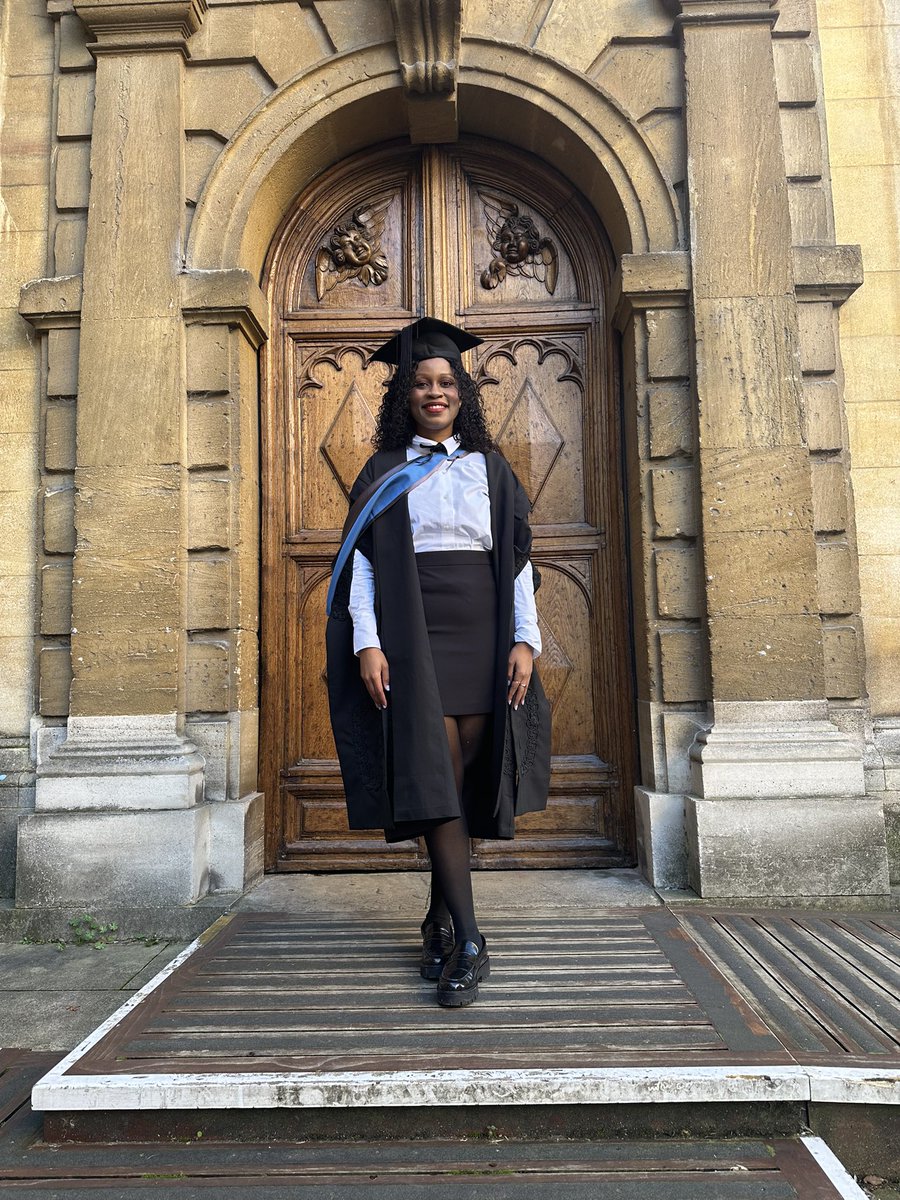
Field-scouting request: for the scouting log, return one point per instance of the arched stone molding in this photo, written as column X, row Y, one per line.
column 516, row 95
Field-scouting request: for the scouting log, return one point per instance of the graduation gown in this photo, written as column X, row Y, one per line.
column 396, row 763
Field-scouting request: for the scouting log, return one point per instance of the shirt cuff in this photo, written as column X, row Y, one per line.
column 526, row 622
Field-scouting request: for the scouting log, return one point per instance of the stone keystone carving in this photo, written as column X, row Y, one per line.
column 428, row 33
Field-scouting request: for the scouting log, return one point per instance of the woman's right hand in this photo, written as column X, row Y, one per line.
column 373, row 667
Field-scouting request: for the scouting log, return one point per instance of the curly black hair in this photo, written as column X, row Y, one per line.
column 394, row 426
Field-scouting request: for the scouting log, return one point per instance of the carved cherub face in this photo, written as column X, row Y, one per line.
column 350, row 248
column 518, row 240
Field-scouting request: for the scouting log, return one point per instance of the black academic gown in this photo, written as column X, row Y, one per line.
column 396, row 763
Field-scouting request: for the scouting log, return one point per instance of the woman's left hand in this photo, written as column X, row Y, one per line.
column 518, row 673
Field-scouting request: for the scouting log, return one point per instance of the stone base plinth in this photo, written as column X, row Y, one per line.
column 787, row 847
column 118, row 763
column 780, row 749
column 236, row 843
column 134, row 859
column 661, row 844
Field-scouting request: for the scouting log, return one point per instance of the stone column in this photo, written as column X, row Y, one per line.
column 120, row 817
column 778, row 805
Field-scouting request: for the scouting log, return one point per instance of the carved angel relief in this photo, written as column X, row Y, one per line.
column 354, row 251
column 518, row 245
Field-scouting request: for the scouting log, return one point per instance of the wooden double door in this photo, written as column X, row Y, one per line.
column 492, row 240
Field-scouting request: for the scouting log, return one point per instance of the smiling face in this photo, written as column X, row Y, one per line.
column 434, row 399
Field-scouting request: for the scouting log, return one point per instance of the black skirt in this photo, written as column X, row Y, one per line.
column 459, row 596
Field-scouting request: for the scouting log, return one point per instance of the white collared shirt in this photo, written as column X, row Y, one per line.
column 449, row 510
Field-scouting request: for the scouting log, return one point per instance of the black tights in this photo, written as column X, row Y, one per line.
column 448, row 843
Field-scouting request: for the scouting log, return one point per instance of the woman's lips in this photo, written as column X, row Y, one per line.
column 433, row 408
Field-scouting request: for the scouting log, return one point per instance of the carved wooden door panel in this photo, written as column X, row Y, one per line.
column 492, row 241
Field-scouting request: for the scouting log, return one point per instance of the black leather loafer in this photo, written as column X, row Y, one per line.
column 462, row 973
column 437, row 946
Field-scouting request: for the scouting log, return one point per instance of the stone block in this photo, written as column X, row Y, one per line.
column 18, row 405
column 73, row 52
column 284, row 38
column 209, row 593
column 683, row 662
column 874, row 431
column 59, row 438
column 892, row 832
column 62, row 362
column 841, row 649
column 209, row 509
column 865, row 210
column 75, row 105
column 59, row 520
column 829, row 497
column 208, row 355
column 662, row 847
column 870, row 369
column 810, row 217
column 882, row 655
column 213, row 738
column 236, row 846
column 674, row 502
column 762, row 572
column 875, row 308
column 56, row 599
column 822, row 415
column 680, row 728
column 28, row 41
column 748, row 489
column 671, row 421
column 794, row 17
column 25, row 259
column 68, row 246
column 777, row 657
column 55, row 678
column 352, row 23
column 209, row 433
column 801, row 134
column 748, row 378
column 679, row 587
column 817, row 338
column 134, row 859
column 875, row 492
column 245, row 668
column 25, row 140
column 795, row 76
column 9, row 824
column 26, row 208
column 859, row 133
column 72, row 187
column 643, row 78
column 218, row 97
column 837, row 580
column 200, row 152
column 207, row 676
column 787, row 847
column 668, row 344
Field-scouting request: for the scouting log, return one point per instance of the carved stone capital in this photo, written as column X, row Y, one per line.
column 428, row 33
column 140, row 26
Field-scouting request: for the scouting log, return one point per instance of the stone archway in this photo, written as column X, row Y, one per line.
column 288, row 142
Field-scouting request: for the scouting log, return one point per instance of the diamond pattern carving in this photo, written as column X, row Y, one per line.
column 347, row 444
column 554, row 665
column 530, row 441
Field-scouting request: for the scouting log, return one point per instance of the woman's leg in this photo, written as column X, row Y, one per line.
column 448, row 843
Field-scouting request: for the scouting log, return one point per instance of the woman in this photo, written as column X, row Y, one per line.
column 440, row 722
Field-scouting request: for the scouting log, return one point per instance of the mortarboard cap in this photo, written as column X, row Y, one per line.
column 426, row 338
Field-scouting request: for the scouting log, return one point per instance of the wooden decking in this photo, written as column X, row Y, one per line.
column 649, row 1005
